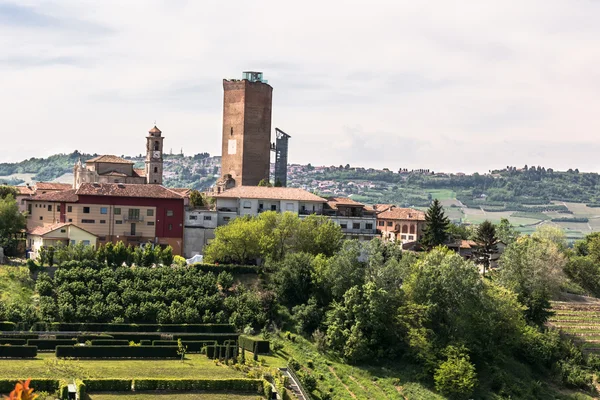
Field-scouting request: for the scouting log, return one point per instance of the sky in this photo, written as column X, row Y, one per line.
column 447, row 86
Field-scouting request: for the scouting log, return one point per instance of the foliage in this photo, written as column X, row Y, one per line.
column 487, row 244
column 196, row 199
column 22, row 391
column 437, row 226
column 12, row 222
column 103, row 352
column 456, row 377
column 181, row 349
column 506, row 232
column 18, row 351
column 265, row 183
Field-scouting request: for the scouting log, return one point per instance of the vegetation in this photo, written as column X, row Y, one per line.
column 12, row 221
column 436, row 229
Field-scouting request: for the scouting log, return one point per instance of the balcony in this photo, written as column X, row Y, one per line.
column 132, row 234
column 133, row 218
column 309, row 212
column 359, row 231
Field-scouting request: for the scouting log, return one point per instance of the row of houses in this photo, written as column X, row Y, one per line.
column 100, row 213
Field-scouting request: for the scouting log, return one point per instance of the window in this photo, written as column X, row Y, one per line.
column 86, row 210
column 117, row 211
column 207, row 218
column 150, row 223
column 88, row 221
column 368, row 226
column 36, row 206
column 58, row 208
column 226, row 219
column 170, row 227
column 119, row 222
column 102, row 221
column 289, row 206
column 169, row 213
column 389, row 223
column 273, row 207
column 41, row 218
column 102, row 238
column 49, row 207
column 73, row 242
column 150, row 212
column 155, row 169
column 29, row 206
column 260, row 206
column 356, row 225
column 44, row 205
column 69, row 208
column 247, row 204
column 22, row 201
column 85, row 242
column 134, row 214
column 193, row 217
column 403, row 237
column 344, row 226
column 103, row 210
column 70, row 219
column 63, row 231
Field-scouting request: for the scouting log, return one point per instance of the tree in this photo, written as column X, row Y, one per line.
column 506, row 232
column 196, row 199
column 456, row 377
column 12, row 222
column 487, row 243
column 5, row 191
column 436, row 229
column 265, row 182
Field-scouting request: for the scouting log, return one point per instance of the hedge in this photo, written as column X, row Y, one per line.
column 213, row 385
column 18, row 342
column 21, row 336
column 146, row 342
column 193, row 346
column 254, row 345
column 110, row 342
column 18, row 352
column 83, row 338
column 117, row 351
column 108, row 385
column 7, row 326
column 221, row 351
column 50, row 344
column 216, row 337
column 231, row 268
column 102, row 327
column 136, row 337
column 39, row 385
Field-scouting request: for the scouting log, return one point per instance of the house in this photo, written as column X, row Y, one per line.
column 400, row 224
column 59, row 234
column 356, row 220
column 27, row 191
column 252, row 200
column 132, row 213
column 199, row 229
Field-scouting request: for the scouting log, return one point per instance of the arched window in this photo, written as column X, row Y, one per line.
column 412, row 229
column 156, row 145
column 404, row 228
column 155, row 169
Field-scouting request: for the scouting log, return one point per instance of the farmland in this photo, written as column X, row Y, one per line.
column 580, row 320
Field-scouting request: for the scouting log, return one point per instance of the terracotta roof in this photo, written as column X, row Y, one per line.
column 24, row 190
column 109, row 159
column 467, row 244
column 52, row 186
column 127, row 190
column 269, row 193
column 333, row 202
column 154, row 130
column 114, row 173
column 182, row 191
column 141, row 172
column 63, row 196
column 402, row 214
column 382, row 207
column 44, row 230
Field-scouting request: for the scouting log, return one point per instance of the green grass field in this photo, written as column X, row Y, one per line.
column 47, row 366
column 171, row 395
column 16, row 286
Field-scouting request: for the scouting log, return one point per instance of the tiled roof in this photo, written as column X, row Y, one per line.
column 109, row 159
column 127, row 190
column 333, row 202
column 24, row 190
column 467, row 244
column 52, row 186
column 154, row 130
column 114, row 173
column 382, row 207
column 141, row 172
column 182, row 191
column 63, row 196
column 402, row 214
column 269, row 193
column 44, row 230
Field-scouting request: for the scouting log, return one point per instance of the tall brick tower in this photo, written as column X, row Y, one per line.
column 154, row 156
column 246, row 130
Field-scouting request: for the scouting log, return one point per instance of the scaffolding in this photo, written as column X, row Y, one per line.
column 280, row 147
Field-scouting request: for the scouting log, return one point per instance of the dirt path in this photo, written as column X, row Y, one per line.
column 357, row 382
column 343, row 384
column 400, row 391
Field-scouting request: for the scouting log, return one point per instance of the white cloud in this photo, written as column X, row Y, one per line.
column 440, row 85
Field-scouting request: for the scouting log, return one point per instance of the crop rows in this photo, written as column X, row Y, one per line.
column 581, row 321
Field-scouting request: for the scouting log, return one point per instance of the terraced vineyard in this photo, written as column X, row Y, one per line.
column 580, row 320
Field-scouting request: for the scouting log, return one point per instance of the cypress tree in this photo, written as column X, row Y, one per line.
column 487, row 242
column 437, row 225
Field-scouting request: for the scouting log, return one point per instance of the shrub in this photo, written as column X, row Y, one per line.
column 216, row 337
column 108, row 385
column 13, row 342
column 308, row 381
column 21, row 336
column 84, row 338
column 136, row 337
column 40, row 385
column 172, row 328
column 573, row 375
column 50, row 344
column 254, row 345
column 8, row 326
column 213, row 352
column 214, row 385
column 231, row 268
column 539, row 347
column 116, row 351
column 109, row 342
column 18, row 352
column 456, row 377
column 193, row 346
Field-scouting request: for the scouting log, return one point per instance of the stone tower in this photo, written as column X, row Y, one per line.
column 154, row 156
column 246, row 130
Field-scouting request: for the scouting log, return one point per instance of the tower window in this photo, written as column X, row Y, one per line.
column 155, row 169
column 231, row 131
column 156, row 145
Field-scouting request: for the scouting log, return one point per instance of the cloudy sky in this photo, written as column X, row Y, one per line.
column 454, row 86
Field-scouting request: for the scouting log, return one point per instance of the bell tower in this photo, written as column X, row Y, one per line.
column 154, row 156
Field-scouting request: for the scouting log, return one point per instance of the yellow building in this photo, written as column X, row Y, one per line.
column 59, row 234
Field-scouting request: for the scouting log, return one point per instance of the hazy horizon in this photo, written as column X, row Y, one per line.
column 447, row 87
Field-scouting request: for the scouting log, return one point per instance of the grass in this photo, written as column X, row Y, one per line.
column 16, row 286
column 47, row 366
column 171, row 395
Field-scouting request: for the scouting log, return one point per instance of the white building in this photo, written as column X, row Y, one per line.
column 199, row 230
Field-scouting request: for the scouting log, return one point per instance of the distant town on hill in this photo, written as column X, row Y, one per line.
column 527, row 195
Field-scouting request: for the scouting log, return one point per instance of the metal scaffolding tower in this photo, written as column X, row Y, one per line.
column 280, row 147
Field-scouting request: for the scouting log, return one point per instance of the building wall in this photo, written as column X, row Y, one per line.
column 103, row 168
column 246, row 146
column 195, row 238
column 408, row 230
column 42, row 213
column 199, row 218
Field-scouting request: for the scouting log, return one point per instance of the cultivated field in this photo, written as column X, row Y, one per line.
column 580, row 320
column 171, row 395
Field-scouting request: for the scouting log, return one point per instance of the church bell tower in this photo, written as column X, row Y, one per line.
column 154, row 156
